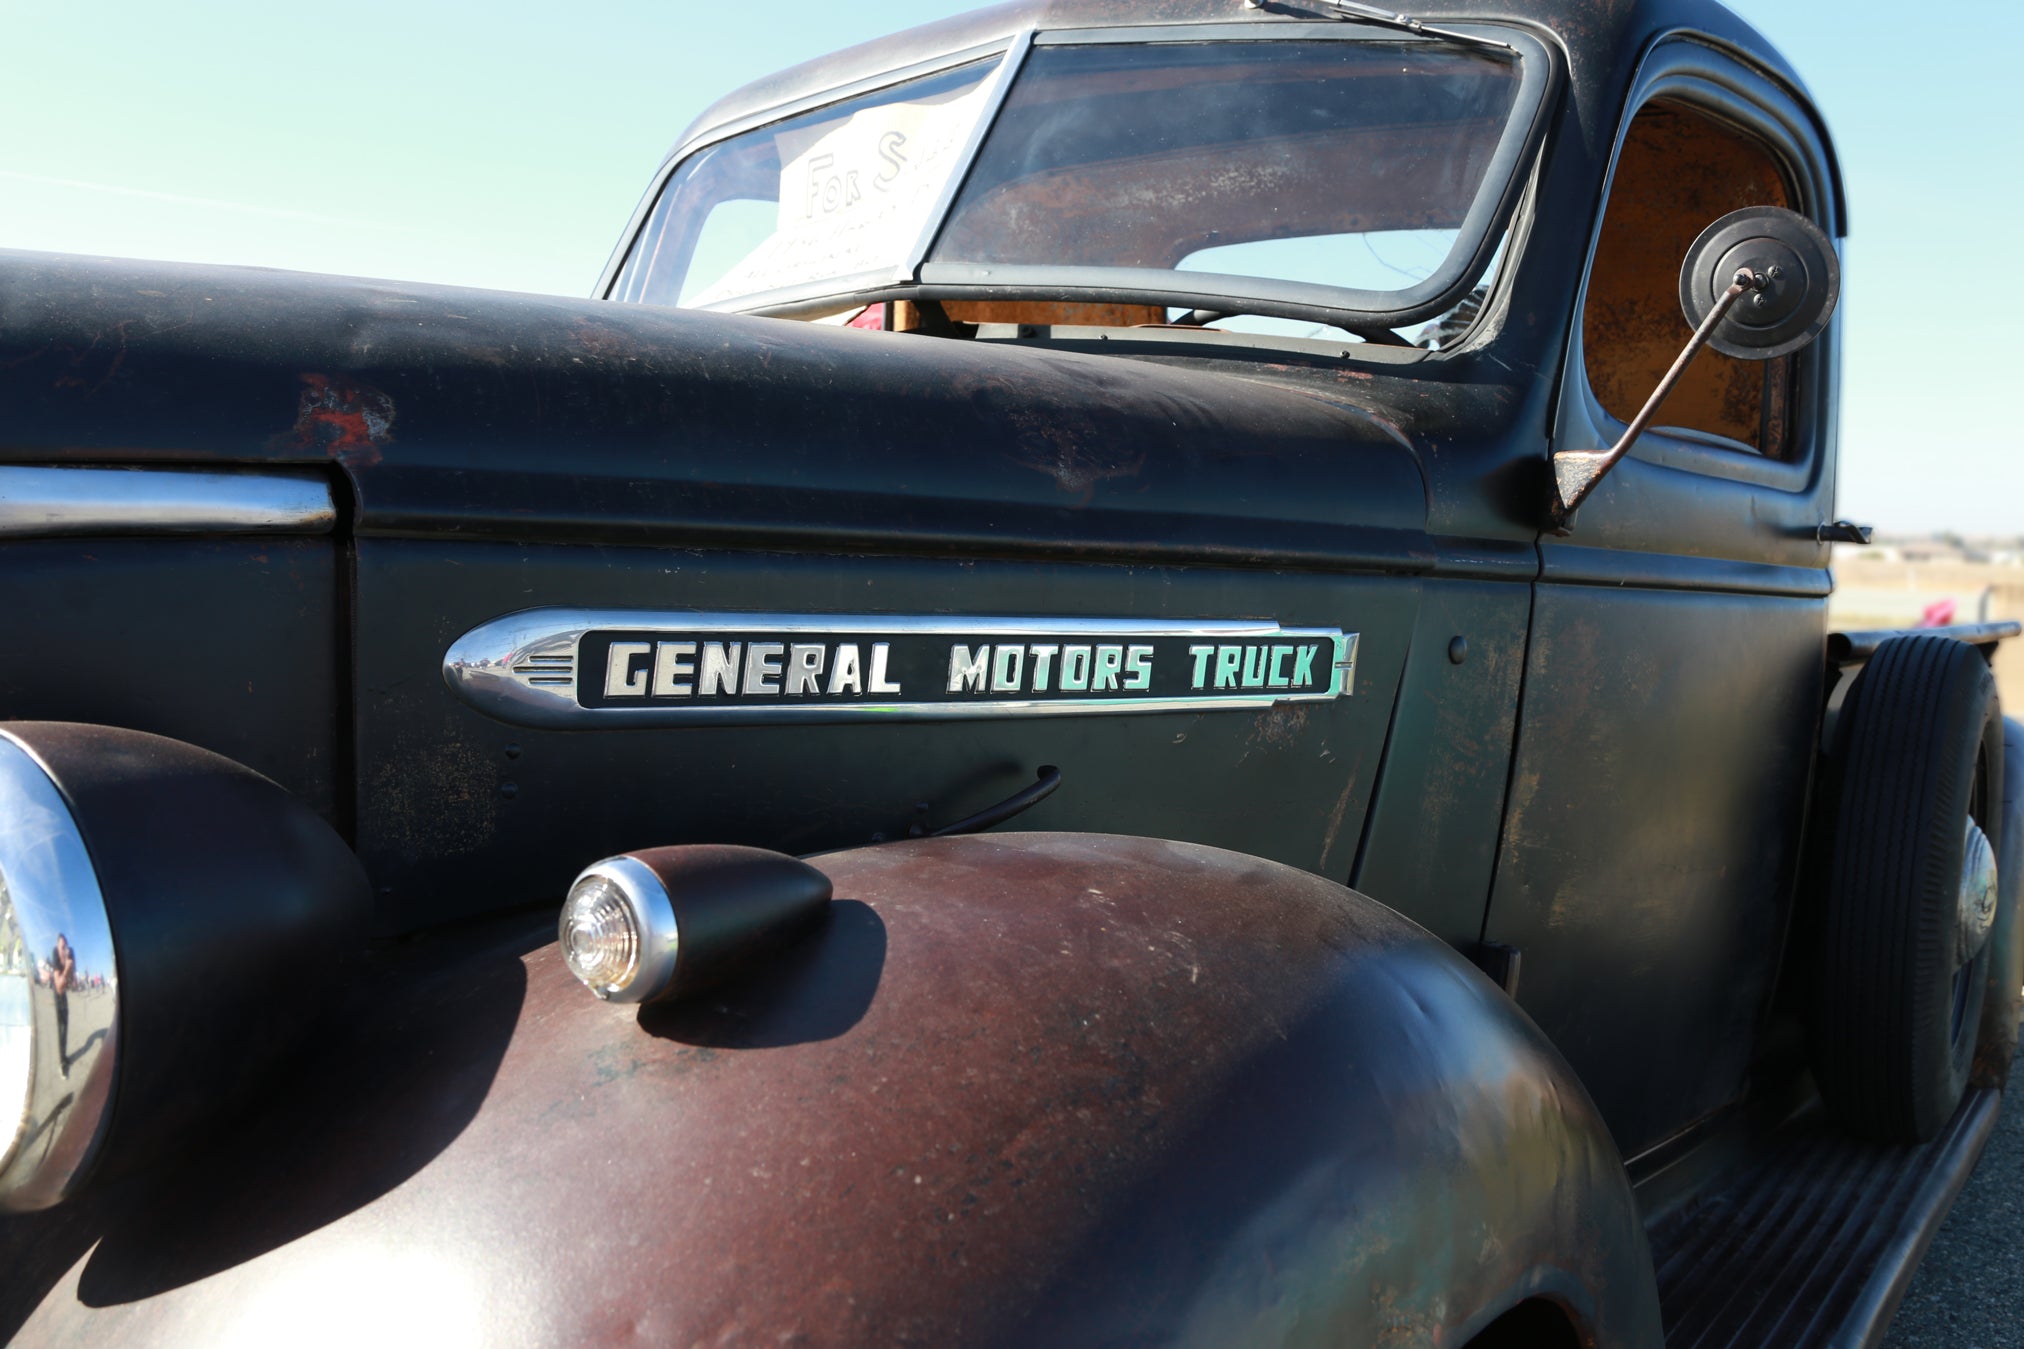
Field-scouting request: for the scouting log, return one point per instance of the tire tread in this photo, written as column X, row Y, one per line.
column 1917, row 705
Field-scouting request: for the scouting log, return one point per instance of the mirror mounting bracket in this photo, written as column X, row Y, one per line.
column 1787, row 266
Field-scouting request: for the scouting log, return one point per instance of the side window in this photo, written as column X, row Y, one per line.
column 1678, row 172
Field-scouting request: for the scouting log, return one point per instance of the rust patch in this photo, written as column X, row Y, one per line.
column 600, row 340
column 429, row 800
column 1065, row 456
column 1067, row 444
column 1335, row 818
column 1277, row 726
column 93, row 366
column 341, row 418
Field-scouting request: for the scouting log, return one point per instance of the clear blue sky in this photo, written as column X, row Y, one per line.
column 505, row 144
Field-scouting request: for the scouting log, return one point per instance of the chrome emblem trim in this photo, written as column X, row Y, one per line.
column 582, row 668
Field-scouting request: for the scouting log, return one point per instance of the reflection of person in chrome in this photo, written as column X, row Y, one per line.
column 62, row 973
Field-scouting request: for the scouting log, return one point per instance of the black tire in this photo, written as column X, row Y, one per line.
column 1897, row 1011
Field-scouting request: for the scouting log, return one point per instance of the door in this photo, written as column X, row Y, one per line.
column 1674, row 674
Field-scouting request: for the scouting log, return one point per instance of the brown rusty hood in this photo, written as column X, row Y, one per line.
column 1022, row 1088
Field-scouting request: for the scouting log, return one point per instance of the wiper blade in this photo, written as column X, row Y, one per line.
column 1349, row 11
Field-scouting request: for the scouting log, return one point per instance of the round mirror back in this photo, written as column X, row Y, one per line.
column 1803, row 274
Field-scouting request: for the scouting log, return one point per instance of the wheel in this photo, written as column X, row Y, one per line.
column 1997, row 1047
column 1911, row 889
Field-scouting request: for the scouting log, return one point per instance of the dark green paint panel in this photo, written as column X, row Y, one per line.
column 460, row 813
column 230, row 645
column 1647, row 865
column 1431, row 842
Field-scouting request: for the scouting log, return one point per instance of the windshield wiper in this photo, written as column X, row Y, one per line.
column 1349, row 11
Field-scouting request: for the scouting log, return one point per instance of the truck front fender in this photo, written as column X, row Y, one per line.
column 1040, row 1088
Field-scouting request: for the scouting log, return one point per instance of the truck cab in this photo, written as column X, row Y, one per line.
column 1090, row 479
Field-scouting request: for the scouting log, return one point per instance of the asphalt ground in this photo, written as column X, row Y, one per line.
column 1968, row 1293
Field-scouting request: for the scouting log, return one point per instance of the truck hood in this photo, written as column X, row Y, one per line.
column 518, row 416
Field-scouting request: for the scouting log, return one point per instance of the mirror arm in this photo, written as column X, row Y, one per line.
column 1576, row 472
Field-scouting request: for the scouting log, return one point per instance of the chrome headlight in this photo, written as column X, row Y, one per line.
column 663, row 922
column 59, row 990
column 157, row 902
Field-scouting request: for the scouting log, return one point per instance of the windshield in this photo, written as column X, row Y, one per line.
column 1347, row 164
column 1307, row 173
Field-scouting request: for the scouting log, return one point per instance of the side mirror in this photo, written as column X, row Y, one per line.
column 1789, row 308
column 1758, row 283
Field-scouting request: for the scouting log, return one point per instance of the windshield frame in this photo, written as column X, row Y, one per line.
column 1503, row 184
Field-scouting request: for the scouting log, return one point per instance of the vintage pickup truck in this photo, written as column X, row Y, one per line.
column 1458, row 891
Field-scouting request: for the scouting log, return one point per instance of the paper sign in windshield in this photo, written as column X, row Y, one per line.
column 856, row 194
